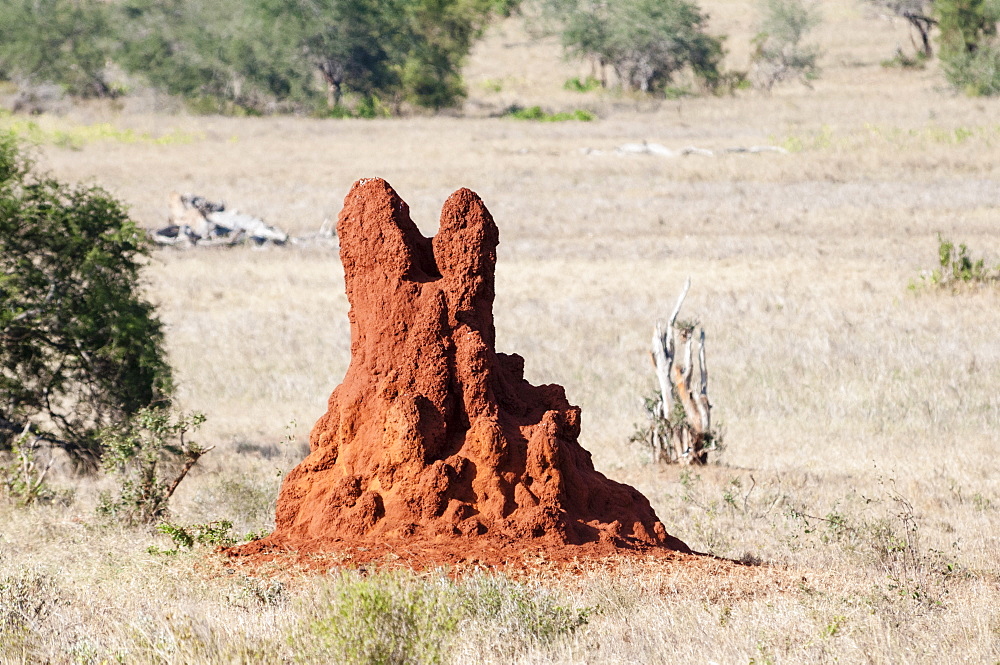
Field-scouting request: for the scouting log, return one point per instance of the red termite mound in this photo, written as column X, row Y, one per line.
column 433, row 437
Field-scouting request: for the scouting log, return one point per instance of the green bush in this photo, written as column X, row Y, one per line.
column 646, row 42
column 977, row 74
column 149, row 455
column 80, row 347
column 957, row 267
column 969, row 46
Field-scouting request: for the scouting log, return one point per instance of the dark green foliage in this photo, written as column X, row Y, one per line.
column 645, row 42
column 68, row 42
column 969, row 47
column 80, row 348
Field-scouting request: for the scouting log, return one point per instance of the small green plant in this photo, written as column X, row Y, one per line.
column 491, row 85
column 536, row 113
column 956, row 267
column 24, row 475
column 582, row 85
column 213, row 534
column 150, row 455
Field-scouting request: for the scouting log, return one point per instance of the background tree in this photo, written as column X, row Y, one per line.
column 919, row 14
column 645, row 42
column 780, row 53
column 349, row 43
column 68, row 42
column 80, row 349
column 216, row 53
column 443, row 33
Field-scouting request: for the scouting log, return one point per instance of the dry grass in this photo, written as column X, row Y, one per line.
column 860, row 417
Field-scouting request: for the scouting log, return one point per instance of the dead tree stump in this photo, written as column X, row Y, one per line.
column 680, row 429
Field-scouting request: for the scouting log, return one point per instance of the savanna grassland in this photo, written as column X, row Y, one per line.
column 860, row 415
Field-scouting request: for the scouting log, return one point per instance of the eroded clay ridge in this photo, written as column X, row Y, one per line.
column 433, row 434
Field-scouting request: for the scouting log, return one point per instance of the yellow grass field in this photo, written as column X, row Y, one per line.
column 861, row 416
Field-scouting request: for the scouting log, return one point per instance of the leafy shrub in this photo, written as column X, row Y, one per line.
column 646, row 42
column 150, row 455
column 80, row 348
column 957, row 267
column 977, row 74
column 970, row 51
column 779, row 52
column 24, row 474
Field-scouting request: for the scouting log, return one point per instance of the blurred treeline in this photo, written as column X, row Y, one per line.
column 336, row 57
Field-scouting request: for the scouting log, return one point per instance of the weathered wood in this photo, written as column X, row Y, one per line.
column 197, row 221
column 701, row 400
column 683, row 441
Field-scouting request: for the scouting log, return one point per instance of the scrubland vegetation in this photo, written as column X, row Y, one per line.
column 860, row 415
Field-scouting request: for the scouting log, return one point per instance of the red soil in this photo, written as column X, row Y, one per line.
column 434, row 448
